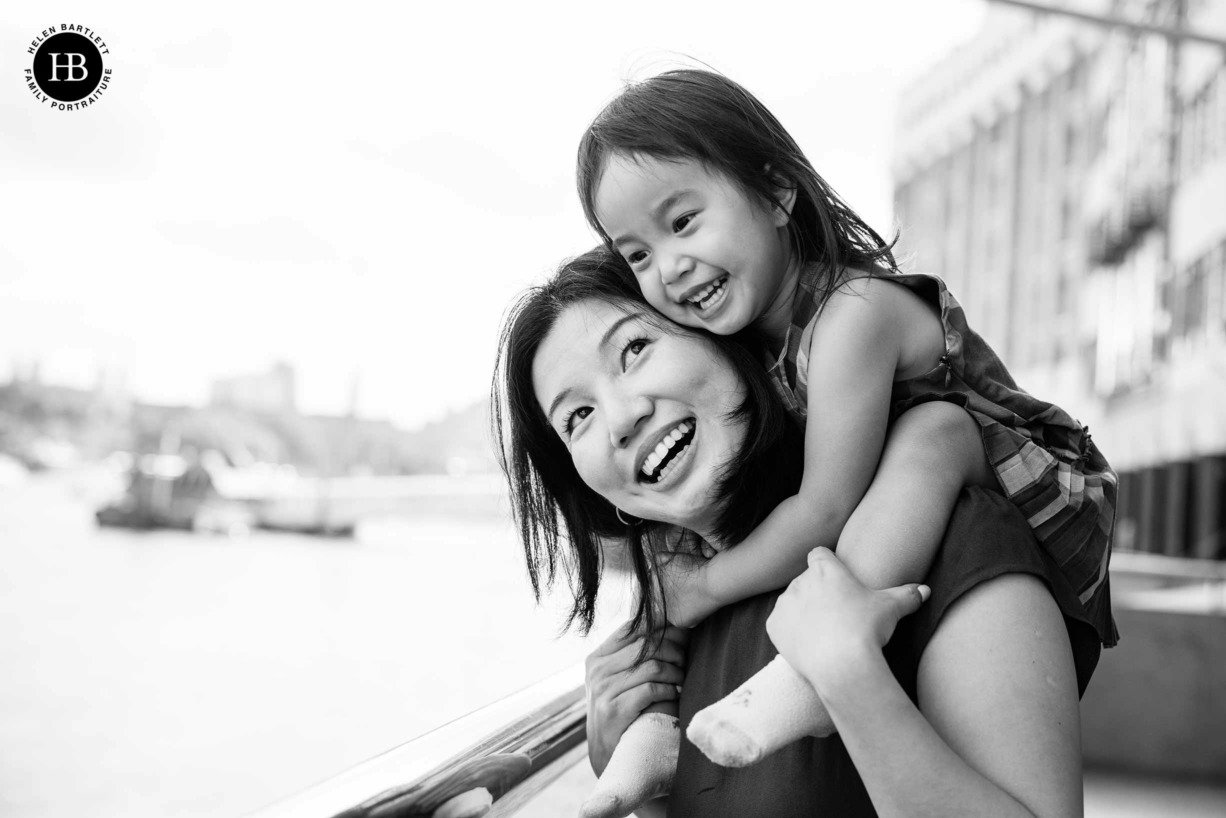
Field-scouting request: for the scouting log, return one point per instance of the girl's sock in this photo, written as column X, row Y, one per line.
column 641, row 768
column 774, row 707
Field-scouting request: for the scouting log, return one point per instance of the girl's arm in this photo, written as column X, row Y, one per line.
column 869, row 331
column 1000, row 730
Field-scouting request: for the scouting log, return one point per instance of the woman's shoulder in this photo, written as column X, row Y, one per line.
column 987, row 538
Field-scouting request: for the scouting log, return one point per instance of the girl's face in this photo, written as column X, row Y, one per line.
column 706, row 253
column 643, row 410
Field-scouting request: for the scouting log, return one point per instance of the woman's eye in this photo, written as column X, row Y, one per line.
column 632, row 350
column 573, row 419
column 681, row 222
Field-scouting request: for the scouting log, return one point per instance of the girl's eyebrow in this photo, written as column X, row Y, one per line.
column 657, row 212
column 604, row 341
column 670, row 200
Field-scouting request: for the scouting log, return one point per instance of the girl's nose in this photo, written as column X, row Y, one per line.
column 674, row 266
column 625, row 416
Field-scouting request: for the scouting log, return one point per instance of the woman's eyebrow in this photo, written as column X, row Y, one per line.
column 616, row 325
column 604, row 341
column 553, row 406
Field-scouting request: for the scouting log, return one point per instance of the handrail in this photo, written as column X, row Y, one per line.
column 517, row 746
column 511, row 755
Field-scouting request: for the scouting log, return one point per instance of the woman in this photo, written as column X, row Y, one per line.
column 994, row 666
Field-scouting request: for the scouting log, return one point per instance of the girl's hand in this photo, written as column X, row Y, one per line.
column 618, row 689
column 682, row 580
column 827, row 620
column 690, row 543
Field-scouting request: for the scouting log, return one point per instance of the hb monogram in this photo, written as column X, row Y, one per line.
column 71, row 66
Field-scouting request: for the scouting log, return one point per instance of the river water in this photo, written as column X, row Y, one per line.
column 169, row 673
column 173, row 674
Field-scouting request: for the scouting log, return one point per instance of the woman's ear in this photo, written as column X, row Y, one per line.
column 785, row 197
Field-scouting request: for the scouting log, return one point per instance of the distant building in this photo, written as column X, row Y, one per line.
column 1069, row 181
column 272, row 392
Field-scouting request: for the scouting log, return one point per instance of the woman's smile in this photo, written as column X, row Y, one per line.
column 663, row 459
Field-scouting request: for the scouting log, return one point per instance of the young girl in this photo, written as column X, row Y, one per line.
column 728, row 228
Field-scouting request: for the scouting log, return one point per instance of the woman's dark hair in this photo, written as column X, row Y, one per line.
column 698, row 115
column 562, row 522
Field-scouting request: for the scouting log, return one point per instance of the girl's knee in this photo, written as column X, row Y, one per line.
column 936, row 425
column 942, row 435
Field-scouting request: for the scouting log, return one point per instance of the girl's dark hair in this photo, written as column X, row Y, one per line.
column 690, row 114
column 562, row 522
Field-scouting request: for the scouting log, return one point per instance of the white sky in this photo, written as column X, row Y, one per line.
column 363, row 187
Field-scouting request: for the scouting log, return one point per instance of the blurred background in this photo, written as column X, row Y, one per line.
column 252, row 524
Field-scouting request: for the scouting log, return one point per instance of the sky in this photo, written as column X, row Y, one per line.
column 361, row 189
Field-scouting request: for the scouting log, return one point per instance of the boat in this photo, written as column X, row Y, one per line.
column 208, row 495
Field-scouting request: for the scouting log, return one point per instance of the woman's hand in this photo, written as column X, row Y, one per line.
column 618, row 689
column 827, row 618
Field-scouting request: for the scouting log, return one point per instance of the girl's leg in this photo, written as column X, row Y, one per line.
column 932, row 452
column 773, row 708
column 642, row 766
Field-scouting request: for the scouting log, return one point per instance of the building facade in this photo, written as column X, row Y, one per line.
column 1069, row 181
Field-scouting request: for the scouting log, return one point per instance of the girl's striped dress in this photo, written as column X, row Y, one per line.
column 1045, row 461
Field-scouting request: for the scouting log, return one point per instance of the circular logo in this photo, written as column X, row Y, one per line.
column 67, row 72
column 67, row 67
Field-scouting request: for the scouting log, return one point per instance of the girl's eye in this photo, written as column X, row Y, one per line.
column 632, row 349
column 637, row 257
column 681, row 222
column 573, row 419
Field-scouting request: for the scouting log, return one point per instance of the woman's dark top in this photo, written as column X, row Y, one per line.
column 987, row 537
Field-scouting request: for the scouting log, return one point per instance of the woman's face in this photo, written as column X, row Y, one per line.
column 643, row 407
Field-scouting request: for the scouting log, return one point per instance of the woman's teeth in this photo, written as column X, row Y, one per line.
column 666, row 451
column 703, row 299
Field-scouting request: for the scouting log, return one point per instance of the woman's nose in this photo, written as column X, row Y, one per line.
column 625, row 416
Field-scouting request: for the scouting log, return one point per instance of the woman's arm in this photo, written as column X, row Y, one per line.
column 619, row 688
column 999, row 732
column 867, row 334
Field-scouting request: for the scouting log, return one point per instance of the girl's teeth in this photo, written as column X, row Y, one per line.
column 705, row 295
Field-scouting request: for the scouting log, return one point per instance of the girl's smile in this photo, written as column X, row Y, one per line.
column 705, row 253
column 706, row 298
